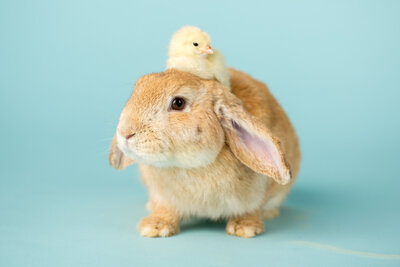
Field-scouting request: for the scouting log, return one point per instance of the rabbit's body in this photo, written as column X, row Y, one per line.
column 214, row 191
column 232, row 155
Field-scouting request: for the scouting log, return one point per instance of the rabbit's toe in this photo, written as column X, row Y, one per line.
column 245, row 227
column 154, row 226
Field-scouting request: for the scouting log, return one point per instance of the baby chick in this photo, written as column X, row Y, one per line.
column 190, row 51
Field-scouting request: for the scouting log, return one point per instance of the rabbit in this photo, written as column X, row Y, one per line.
column 207, row 151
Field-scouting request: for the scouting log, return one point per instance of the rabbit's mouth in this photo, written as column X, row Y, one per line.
column 163, row 158
column 142, row 154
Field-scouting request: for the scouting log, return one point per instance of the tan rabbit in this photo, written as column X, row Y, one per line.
column 208, row 152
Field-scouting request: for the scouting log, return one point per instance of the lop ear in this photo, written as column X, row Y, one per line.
column 116, row 158
column 250, row 140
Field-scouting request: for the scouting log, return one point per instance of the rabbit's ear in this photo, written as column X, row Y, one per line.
column 116, row 158
column 250, row 140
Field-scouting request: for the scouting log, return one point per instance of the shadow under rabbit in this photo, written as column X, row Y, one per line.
column 289, row 218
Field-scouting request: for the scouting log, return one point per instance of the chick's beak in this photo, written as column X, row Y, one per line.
column 208, row 50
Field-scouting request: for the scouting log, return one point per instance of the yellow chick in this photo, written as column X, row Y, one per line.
column 190, row 50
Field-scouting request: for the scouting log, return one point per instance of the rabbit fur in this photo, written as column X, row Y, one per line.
column 229, row 154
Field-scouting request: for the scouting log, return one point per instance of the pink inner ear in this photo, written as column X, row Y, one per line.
column 264, row 150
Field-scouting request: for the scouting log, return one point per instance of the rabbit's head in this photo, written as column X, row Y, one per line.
column 175, row 119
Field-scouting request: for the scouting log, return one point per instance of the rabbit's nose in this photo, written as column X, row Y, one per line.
column 129, row 136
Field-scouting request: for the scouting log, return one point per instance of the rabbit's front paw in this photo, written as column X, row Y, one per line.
column 154, row 226
column 246, row 226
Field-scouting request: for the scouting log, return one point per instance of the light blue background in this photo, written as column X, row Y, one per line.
column 67, row 68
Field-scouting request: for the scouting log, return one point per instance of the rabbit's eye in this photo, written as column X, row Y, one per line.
column 178, row 103
column 195, row 44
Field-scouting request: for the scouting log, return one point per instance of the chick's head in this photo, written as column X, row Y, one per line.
column 190, row 41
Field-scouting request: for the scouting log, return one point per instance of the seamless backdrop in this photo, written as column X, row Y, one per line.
column 67, row 68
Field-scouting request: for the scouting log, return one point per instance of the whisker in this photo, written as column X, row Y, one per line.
column 104, row 151
column 105, row 139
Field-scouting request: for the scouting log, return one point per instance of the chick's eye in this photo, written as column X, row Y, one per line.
column 178, row 103
column 195, row 44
